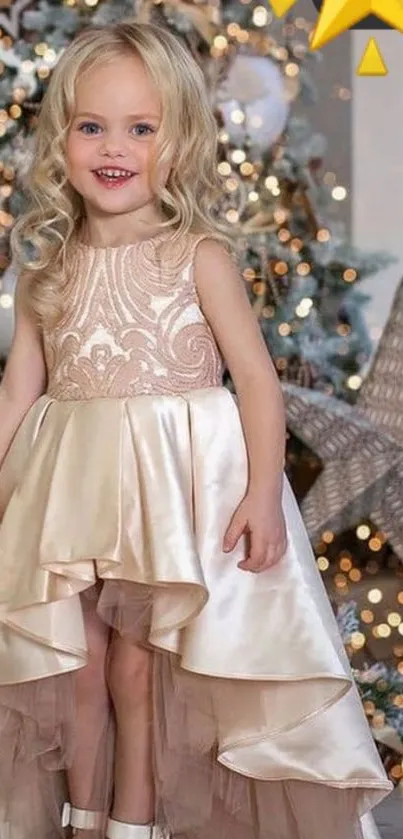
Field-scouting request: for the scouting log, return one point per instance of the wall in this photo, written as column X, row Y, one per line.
column 377, row 166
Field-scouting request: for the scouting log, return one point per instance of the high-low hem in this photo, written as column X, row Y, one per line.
column 257, row 721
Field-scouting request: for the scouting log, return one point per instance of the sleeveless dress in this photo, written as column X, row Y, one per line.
column 116, row 494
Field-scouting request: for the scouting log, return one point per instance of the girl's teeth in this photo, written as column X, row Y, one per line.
column 114, row 173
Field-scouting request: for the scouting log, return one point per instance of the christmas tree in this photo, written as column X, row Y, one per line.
column 301, row 272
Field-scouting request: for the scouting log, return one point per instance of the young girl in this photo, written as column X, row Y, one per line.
column 168, row 659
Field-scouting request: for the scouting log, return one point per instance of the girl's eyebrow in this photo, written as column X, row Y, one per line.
column 89, row 115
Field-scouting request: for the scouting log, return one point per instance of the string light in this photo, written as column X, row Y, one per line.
column 304, row 307
column 323, row 235
column 350, row 275
column 291, row 69
column 220, row 43
column 375, row 595
column 237, row 116
column 322, row 563
column 281, row 268
column 358, row 640
column 375, row 544
column 296, row 245
column 246, row 169
column 260, row 16
column 339, row 193
column 345, row 563
column 394, row 619
column 363, row 531
column 303, row 269
column 238, row 156
column 232, row 216
column 354, row 382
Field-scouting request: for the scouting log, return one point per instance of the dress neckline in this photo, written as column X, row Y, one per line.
column 87, row 247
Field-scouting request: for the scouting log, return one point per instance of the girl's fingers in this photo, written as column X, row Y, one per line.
column 262, row 559
column 234, row 532
column 257, row 554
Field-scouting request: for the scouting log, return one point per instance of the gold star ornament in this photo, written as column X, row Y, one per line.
column 337, row 16
column 372, row 63
column 281, row 7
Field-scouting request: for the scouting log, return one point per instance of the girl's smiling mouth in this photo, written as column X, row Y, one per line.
column 113, row 176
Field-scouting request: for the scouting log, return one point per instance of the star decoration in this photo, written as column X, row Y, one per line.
column 281, row 7
column 337, row 16
column 361, row 446
column 10, row 22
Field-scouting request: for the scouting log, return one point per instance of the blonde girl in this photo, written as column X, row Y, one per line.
column 169, row 664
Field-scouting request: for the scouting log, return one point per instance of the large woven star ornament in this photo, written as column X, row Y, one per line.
column 10, row 20
column 361, row 447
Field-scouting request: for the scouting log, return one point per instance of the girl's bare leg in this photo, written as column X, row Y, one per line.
column 86, row 786
column 129, row 679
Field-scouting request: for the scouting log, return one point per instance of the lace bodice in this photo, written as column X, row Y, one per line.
column 132, row 324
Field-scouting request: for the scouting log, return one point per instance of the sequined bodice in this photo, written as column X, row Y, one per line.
column 131, row 325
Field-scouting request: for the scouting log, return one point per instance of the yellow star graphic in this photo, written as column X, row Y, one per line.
column 337, row 16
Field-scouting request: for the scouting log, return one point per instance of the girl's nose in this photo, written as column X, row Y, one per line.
column 112, row 146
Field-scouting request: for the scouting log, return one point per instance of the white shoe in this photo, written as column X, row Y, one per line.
column 124, row 830
column 82, row 819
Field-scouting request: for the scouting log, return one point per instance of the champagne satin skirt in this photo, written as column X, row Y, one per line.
column 258, row 729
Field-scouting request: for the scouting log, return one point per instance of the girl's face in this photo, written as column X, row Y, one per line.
column 109, row 145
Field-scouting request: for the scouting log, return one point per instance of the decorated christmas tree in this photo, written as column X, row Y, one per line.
column 301, row 272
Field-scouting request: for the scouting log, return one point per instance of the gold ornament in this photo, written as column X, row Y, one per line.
column 338, row 16
column 281, row 7
column 372, row 63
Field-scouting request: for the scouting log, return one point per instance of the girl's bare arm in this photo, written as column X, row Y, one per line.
column 226, row 306
column 24, row 378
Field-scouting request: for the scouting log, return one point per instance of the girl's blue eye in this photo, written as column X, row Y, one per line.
column 89, row 128
column 142, row 129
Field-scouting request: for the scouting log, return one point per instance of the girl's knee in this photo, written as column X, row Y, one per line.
column 129, row 675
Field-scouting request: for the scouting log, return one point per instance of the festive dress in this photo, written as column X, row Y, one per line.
column 116, row 494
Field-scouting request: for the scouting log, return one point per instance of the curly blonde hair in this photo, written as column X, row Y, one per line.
column 187, row 136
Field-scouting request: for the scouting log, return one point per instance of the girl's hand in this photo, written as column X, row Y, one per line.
column 263, row 522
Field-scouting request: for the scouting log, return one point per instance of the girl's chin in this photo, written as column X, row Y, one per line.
column 114, row 202
column 105, row 193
